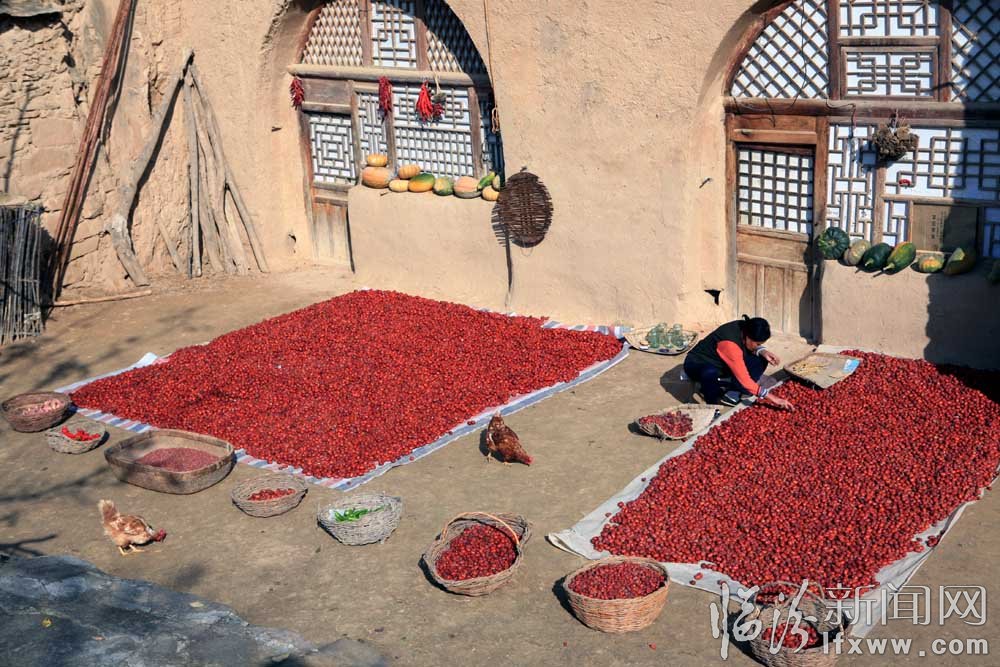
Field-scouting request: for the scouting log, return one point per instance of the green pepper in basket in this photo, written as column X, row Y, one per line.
column 350, row 515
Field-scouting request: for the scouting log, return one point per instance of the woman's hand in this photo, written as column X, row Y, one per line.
column 770, row 357
column 779, row 403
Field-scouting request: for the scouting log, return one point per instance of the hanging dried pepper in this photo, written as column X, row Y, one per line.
column 298, row 92
column 385, row 96
column 427, row 109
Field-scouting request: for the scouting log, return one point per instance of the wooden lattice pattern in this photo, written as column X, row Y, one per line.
column 886, row 73
column 956, row 162
column 896, row 225
column 524, row 210
column 394, row 33
column 442, row 147
column 991, row 232
column 774, row 190
column 335, row 38
column 331, row 138
column 888, row 18
column 975, row 49
column 851, row 165
column 374, row 138
column 449, row 47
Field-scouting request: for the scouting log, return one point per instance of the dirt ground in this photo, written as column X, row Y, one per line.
column 287, row 572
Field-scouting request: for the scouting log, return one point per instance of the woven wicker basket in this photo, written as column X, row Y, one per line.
column 810, row 605
column 701, row 416
column 625, row 615
column 265, row 508
column 514, row 524
column 372, row 527
column 60, row 443
column 13, row 411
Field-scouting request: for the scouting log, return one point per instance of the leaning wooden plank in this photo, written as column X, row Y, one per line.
column 213, row 126
column 174, row 256
column 192, row 137
column 118, row 227
column 217, row 254
column 102, row 299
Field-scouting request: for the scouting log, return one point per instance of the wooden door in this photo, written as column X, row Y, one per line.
column 330, row 235
column 774, row 210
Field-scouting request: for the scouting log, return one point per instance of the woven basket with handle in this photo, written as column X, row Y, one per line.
column 623, row 615
column 376, row 526
column 64, row 445
column 23, row 414
column 264, row 508
column 770, row 652
column 514, row 525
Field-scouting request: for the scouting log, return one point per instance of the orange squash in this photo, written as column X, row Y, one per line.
column 422, row 183
column 489, row 194
column 377, row 160
column 408, row 171
column 466, row 187
column 376, row 177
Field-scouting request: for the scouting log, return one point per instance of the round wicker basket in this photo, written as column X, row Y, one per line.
column 774, row 615
column 60, row 443
column 515, row 524
column 372, row 527
column 14, row 411
column 624, row 615
column 265, row 508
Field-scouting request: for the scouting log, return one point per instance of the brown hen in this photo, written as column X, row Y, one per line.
column 503, row 443
column 128, row 531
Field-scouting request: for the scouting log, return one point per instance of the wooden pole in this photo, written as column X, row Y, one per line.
column 102, row 299
column 213, row 187
column 192, row 138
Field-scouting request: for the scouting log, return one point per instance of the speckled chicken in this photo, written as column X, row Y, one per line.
column 504, row 444
column 128, row 531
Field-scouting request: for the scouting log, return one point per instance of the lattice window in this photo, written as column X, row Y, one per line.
column 374, row 138
column 774, row 190
column 888, row 18
column 962, row 163
column 331, row 138
column 885, row 73
column 975, row 51
column 443, row 147
column 851, row 180
column 394, row 33
column 335, row 38
column 789, row 58
column 991, row 232
column 896, row 225
column 449, row 48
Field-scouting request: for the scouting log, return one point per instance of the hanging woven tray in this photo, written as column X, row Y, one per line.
column 637, row 339
column 376, row 526
column 701, row 417
column 514, row 524
column 266, row 508
column 810, row 605
column 24, row 416
column 623, row 615
column 123, row 459
column 64, row 445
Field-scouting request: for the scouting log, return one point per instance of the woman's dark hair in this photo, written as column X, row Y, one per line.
column 756, row 329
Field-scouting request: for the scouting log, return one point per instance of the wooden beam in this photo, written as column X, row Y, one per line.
column 863, row 108
column 475, row 129
column 366, row 32
column 396, row 74
column 774, row 136
column 833, row 48
column 421, row 29
column 944, row 51
column 193, row 180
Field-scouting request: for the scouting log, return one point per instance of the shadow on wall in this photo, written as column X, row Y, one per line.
column 963, row 319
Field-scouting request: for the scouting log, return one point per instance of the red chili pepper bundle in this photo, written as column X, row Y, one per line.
column 80, row 435
column 271, row 494
column 428, row 109
column 298, row 92
column 385, row 96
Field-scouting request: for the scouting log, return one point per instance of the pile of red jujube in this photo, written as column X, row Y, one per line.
column 674, row 424
column 178, row 459
column 345, row 385
column 617, row 582
column 830, row 492
column 789, row 635
column 271, row 494
column 478, row 551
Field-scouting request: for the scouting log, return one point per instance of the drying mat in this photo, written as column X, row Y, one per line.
column 823, row 369
column 577, row 540
column 345, row 484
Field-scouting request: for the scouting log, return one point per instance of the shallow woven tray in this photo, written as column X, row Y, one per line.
column 265, row 508
column 123, row 455
column 372, row 527
column 828, row 368
column 701, row 417
column 514, row 524
column 624, row 615
column 637, row 339
column 810, row 605
column 60, row 443
column 11, row 409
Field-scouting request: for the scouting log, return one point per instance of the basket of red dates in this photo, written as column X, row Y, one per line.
column 269, row 495
column 795, row 628
column 618, row 593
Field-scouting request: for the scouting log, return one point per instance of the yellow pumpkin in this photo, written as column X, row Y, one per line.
column 399, row 185
column 489, row 194
column 376, row 177
column 377, row 160
column 408, row 171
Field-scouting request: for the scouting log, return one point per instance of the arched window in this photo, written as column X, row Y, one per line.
column 811, row 85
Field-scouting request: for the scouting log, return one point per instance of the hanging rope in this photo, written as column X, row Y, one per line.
column 494, row 115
